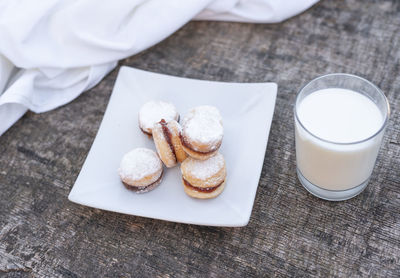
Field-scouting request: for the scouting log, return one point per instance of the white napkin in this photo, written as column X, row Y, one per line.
column 53, row 50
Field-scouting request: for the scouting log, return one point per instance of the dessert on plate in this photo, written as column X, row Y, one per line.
column 202, row 132
column 153, row 111
column 204, row 179
column 141, row 170
column 166, row 137
column 195, row 145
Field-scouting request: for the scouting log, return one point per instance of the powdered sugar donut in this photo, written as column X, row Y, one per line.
column 153, row 111
column 204, row 179
column 141, row 170
column 202, row 132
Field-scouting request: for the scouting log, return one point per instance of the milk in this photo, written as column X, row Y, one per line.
column 341, row 118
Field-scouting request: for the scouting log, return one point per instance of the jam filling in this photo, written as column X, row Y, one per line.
column 168, row 136
column 184, row 143
column 140, row 188
column 202, row 189
column 147, row 133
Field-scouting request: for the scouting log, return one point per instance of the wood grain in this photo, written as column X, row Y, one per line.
column 291, row 233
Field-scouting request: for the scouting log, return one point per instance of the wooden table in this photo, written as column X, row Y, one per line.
column 290, row 233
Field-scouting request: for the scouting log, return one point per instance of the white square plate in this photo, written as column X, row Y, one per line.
column 247, row 110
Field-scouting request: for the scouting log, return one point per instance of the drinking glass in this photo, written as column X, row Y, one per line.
column 332, row 170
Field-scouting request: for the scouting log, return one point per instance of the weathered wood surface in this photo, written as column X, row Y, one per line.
column 291, row 233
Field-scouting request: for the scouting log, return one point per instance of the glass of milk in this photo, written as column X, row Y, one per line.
column 339, row 123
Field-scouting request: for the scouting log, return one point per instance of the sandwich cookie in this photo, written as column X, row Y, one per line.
column 141, row 170
column 168, row 144
column 202, row 132
column 153, row 111
column 204, row 179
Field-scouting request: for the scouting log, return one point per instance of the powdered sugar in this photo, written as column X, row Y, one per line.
column 204, row 169
column 139, row 163
column 153, row 111
column 203, row 124
column 176, row 125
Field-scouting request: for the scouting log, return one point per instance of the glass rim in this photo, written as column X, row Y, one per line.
column 385, row 122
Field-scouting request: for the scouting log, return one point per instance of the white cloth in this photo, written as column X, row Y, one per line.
column 53, row 50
